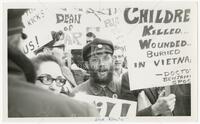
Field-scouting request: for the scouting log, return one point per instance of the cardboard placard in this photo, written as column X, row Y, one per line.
column 161, row 44
column 110, row 107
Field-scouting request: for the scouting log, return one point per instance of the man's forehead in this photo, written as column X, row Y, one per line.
column 100, row 53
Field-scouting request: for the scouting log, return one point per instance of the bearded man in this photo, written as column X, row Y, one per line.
column 98, row 57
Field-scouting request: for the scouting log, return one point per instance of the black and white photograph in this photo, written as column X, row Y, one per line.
column 100, row 61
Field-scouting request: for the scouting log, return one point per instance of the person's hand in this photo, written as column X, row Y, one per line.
column 164, row 104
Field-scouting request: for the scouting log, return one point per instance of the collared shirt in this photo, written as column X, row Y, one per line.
column 91, row 88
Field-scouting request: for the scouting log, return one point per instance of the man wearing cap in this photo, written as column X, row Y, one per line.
column 98, row 59
column 24, row 98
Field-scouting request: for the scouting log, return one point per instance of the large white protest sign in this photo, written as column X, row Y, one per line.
column 110, row 107
column 158, row 37
column 160, row 40
column 161, row 43
column 37, row 28
column 108, row 21
column 70, row 21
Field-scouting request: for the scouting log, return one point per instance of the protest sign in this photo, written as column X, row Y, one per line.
column 163, row 37
column 107, row 22
column 110, row 107
column 36, row 22
column 157, row 38
column 70, row 21
column 161, row 44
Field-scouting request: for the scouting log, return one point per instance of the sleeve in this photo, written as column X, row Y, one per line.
column 145, row 112
column 126, row 93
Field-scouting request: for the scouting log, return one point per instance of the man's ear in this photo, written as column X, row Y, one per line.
column 87, row 64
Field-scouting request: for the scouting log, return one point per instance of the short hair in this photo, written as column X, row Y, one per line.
column 44, row 58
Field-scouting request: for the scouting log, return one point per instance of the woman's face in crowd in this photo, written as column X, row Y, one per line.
column 50, row 77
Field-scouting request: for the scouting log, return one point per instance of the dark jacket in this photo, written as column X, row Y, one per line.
column 91, row 88
column 27, row 100
column 127, row 94
column 182, row 92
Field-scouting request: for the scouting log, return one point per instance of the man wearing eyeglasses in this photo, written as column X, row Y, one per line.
column 98, row 57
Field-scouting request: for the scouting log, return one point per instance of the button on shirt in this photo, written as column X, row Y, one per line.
column 91, row 88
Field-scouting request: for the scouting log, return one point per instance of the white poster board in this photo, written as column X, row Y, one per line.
column 37, row 28
column 69, row 21
column 161, row 43
column 108, row 23
column 110, row 107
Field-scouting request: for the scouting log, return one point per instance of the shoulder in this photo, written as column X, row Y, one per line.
column 26, row 99
column 83, row 87
column 125, row 80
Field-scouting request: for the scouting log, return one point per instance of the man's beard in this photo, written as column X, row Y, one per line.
column 106, row 80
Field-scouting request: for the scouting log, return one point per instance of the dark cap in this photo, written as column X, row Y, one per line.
column 15, row 24
column 97, row 46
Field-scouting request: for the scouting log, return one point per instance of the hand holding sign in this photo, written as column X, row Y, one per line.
column 164, row 104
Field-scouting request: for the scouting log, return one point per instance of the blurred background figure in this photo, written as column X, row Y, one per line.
column 49, row 74
column 24, row 98
column 90, row 37
column 78, row 67
column 15, row 43
column 118, row 60
column 15, row 28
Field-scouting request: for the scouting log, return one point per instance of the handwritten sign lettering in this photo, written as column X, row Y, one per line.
column 110, row 107
column 160, row 43
column 155, row 16
column 68, row 18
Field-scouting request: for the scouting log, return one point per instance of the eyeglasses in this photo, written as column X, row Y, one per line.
column 48, row 80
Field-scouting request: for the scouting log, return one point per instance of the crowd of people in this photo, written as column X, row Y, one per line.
column 45, row 85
